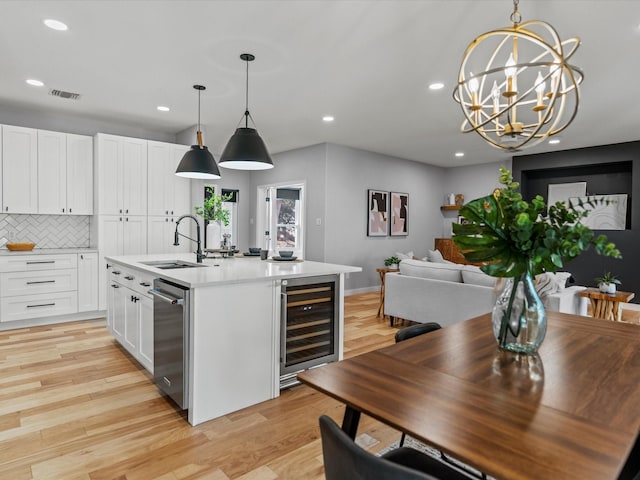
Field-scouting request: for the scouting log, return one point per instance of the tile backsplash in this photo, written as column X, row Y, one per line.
column 46, row 231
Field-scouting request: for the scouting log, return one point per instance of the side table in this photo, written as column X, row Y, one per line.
column 382, row 272
column 605, row 305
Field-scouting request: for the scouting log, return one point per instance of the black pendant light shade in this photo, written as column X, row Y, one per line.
column 245, row 149
column 198, row 162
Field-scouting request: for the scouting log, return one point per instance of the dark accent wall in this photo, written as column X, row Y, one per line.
column 607, row 169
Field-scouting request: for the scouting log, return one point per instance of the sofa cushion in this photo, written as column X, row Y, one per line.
column 435, row 271
column 473, row 275
column 404, row 256
column 435, row 256
column 548, row 282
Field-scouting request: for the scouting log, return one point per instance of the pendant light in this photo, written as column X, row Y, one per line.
column 198, row 162
column 245, row 149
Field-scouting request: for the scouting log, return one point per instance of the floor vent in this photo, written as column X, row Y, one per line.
column 63, row 94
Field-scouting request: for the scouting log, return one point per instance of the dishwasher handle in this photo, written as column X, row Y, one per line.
column 166, row 298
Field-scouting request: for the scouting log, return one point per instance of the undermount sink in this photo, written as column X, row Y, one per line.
column 171, row 264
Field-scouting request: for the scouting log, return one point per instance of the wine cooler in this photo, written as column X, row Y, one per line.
column 309, row 326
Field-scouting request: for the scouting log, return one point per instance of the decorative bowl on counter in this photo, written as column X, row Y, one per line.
column 24, row 247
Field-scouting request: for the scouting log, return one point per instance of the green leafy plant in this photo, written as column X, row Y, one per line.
column 391, row 261
column 608, row 278
column 512, row 236
column 212, row 210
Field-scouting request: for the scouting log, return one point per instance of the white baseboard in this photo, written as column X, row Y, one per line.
column 356, row 291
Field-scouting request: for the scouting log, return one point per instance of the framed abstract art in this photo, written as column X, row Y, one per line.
column 378, row 213
column 399, row 214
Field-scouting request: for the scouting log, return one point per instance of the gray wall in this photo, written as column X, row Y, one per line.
column 473, row 182
column 309, row 165
column 350, row 173
column 80, row 125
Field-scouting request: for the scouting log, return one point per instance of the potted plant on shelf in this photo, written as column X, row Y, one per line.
column 392, row 262
column 607, row 283
column 213, row 212
column 516, row 241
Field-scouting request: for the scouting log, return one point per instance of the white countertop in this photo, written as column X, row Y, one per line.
column 46, row 251
column 230, row 270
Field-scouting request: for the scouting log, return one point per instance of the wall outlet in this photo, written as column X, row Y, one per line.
column 318, row 221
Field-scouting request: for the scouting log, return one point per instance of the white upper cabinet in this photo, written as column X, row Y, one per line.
column 169, row 195
column 19, row 170
column 65, row 173
column 52, row 172
column 79, row 174
column 122, row 175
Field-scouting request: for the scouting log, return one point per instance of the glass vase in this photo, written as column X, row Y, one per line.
column 519, row 318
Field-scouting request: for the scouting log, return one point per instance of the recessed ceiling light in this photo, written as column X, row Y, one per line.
column 56, row 24
column 35, row 83
column 328, row 118
column 459, row 154
column 554, row 141
column 162, row 108
column 436, row 86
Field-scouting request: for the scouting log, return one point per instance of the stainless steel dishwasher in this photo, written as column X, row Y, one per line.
column 171, row 340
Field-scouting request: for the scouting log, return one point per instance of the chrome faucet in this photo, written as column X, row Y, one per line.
column 177, row 235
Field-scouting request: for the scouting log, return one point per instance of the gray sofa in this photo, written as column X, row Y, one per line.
column 447, row 293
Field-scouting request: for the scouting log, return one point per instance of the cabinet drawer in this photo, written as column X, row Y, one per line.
column 45, row 281
column 137, row 281
column 39, row 305
column 24, row 263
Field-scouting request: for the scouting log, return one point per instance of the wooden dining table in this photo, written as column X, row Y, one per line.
column 572, row 411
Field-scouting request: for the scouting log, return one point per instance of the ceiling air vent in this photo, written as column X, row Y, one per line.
column 63, row 94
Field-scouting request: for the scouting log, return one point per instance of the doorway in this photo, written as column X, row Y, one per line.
column 280, row 217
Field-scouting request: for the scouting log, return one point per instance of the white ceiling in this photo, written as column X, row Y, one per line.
column 368, row 63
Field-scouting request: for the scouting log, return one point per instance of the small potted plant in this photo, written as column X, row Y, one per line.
column 607, row 283
column 392, row 262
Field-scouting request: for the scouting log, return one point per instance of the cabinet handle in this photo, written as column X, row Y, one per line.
column 166, row 212
column 113, row 285
column 42, row 305
column 126, row 211
column 145, row 284
column 171, row 212
column 120, row 218
column 127, row 219
column 109, row 266
column 120, row 210
column 70, row 210
column 128, row 277
column 116, row 272
column 82, row 258
column 6, row 209
column 166, row 219
column 40, row 261
column 63, row 210
column 40, row 281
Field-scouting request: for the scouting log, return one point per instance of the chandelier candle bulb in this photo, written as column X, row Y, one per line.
column 540, row 86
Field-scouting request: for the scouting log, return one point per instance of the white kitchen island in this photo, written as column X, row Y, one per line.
column 234, row 323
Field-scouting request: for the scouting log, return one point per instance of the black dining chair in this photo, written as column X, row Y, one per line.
column 414, row 331
column 344, row 460
column 410, row 332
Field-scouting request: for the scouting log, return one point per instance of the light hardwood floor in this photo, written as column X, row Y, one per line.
column 73, row 405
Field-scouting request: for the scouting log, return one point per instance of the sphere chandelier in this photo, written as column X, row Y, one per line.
column 514, row 103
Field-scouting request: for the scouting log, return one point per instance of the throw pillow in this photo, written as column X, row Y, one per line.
column 474, row 276
column 404, row 256
column 435, row 256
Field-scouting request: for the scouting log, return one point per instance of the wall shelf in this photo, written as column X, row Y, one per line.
column 450, row 207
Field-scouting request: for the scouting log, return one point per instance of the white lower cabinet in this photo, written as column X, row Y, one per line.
column 87, row 282
column 130, row 313
column 36, row 286
column 39, row 305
